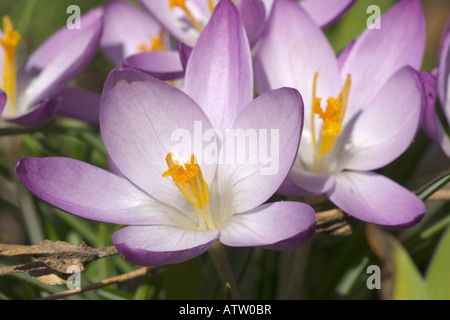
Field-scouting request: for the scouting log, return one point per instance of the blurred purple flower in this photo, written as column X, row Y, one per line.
column 175, row 212
column 370, row 113
column 437, row 83
column 32, row 96
column 133, row 38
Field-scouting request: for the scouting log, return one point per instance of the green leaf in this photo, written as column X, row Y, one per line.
column 436, row 184
column 401, row 278
column 438, row 276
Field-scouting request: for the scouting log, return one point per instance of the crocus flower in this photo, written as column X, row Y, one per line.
column 175, row 211
column 361, row 110
column 33, row 95
column 133, row 38
column 185, row 19
column 437, row 84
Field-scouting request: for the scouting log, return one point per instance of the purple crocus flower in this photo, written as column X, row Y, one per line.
column 175, row 211
column 185, row 19
column 437, row 83
column 32, row 96
column 361, row 110
column 133, row 38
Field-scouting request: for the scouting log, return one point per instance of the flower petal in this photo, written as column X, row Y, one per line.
column 273, row 121
column 325, row 12
column 80, row 104
column 292, row 49
column 173, row 20
column 290, row 189
column 126, row 28
column 93, row 193
column 162, row 245
column 2, row 101
column 142, row 119
column 387, row 126
column 443, row 81
column 59, row 59
column 164, row 65
column 313, row 182
column 376, row 199
column 219, row 72
column 253, row 15
column 41, row 114
column 277, row 225
column 378, row 53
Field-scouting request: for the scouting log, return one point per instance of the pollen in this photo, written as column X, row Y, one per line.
column 156, row 44
column 332, row 117
column 9, row 43
column 189, row 180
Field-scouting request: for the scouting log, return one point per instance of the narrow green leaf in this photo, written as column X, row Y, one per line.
column 438, row 275
column 434, row 185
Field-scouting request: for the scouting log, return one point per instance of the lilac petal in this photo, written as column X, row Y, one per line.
column 443, row 75
column 2, row 101
column 429, row 117
column 142, row 119
column 293, row 48
column 253, row 15
column 185, row 53
column 219, row 72
column 379, row 53
column 273, row 123
column 312, row 182
column 164, row 65
column 276, row 225
column 387, row 126
column 162, row 245
column 325, row 12
column 80, row 104
column 61, row 58
column 173, row 20
column 93, row 193
column 376, row 199
column 290, row 189
column 126, row 28
column 39, row 115
column 344, row 53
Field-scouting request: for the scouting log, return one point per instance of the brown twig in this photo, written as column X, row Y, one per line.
column 117, row 279
column 442, row 194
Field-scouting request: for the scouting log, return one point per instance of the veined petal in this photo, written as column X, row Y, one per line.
column 290, row 189
column 377, row 54
column 429, row 117
column 376, row 199
column 93, row 193
column 59, row 59
column 161, row 245
column 126, row 28
column 164, row 65
column 260, row 149
column 387, row 126
column 80, row 104
column 142, row 120
column 219, row 72
column 292, row 49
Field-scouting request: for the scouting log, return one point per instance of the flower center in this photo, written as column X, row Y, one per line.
column 332, row 117
column 9, row 43
column 156, row 44
column 189, row 180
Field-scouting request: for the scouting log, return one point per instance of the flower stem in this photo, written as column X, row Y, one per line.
column 219, row 257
